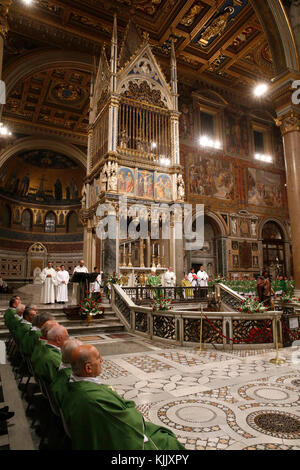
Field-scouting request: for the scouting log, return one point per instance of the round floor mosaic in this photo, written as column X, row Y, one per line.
column 275, row 423
column 296, row 382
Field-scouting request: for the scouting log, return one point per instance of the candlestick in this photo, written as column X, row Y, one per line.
column 158, row 261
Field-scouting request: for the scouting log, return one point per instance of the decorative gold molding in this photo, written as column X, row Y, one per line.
column 4, row 7
column 290, row 122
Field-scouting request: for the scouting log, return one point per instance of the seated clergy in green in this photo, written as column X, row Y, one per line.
column 99, row 419
column 40, row 345
column 31, row 338
column 25, row 324
column 58, row 387
column 14, row 322
column 49, row 360
column 11, row 311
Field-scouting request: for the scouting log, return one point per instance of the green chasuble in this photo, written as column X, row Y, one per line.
column 58, row 387
column 47, row 363
column 9, row 314
column 153, row 281
column 37, row 351
column 20, row 330
column 29, row 341
column 13, row 322
column 283, row 286
column 99, row 419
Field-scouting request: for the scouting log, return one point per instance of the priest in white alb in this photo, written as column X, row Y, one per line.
column 49, row 282
column 78, row 289
column 202, row 281
column 169, row 280
column 62, row 288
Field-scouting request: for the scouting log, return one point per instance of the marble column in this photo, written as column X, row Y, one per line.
column 290, row 129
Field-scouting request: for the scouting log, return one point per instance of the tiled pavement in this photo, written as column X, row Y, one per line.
column 213, row 399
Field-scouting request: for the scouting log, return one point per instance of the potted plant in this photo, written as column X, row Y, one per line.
column 252, row 306
column 90, row 307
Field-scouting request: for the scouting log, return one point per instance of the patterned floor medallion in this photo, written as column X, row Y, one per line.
column 296, row 383
column 275, row 423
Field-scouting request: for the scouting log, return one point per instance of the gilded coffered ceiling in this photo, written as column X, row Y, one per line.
column 218, row 41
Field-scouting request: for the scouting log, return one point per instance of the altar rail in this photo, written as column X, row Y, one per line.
column 228, row 296
column 144, row 295
column 226, row 329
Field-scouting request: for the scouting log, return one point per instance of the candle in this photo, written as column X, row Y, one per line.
column 158, row 250
column 153, row 248
column 163, row 250
column 130, row 248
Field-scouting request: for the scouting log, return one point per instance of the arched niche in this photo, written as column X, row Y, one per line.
column 273, row 244
column 5, row 216
column 27, row 220
column 72, row 222
column 50, row 222
column 36, row 255
column 208, row 255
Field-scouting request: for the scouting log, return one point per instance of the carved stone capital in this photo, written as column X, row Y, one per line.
column 290, row 122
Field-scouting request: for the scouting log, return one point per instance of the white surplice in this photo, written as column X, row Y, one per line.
column 62, row 288
column 48, row 286
column 95, row 286
column 202, row 278
column 192, row 277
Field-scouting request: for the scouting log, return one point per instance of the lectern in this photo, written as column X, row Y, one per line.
column 84, row 280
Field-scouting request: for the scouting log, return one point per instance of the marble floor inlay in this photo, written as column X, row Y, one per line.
column 213, row 400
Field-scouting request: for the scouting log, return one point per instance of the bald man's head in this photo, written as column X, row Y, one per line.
column 47, row 327
column 57, row 335
column 86, row 361
column 67, row 349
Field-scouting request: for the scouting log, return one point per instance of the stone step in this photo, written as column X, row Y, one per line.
column 67, row 323
column 80, row 329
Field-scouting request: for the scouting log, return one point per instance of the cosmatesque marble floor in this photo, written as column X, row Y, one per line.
column 213, row 399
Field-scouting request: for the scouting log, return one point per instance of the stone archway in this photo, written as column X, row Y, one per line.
column 38, row 61
column 36, row 258
column 32, row 143
column 210, row 253
column 278, row 30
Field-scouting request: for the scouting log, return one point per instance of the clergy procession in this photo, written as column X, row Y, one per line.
column 77, row 407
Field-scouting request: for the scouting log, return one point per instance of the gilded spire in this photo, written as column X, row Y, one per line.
column 174, row 76
column 114, row 56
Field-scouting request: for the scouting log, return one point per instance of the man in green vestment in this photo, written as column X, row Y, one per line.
column 99, row 419
column 154, row 281
column 24, row 325
column 13, row 322
column 11, row 311
column 47, row 363
column 58, row 388
column 39, row 346
column 31, row 338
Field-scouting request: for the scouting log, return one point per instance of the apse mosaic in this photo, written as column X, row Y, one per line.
column 42, row 176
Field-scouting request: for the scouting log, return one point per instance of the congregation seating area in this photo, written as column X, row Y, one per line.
column 46, row 363
column 45, row 416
